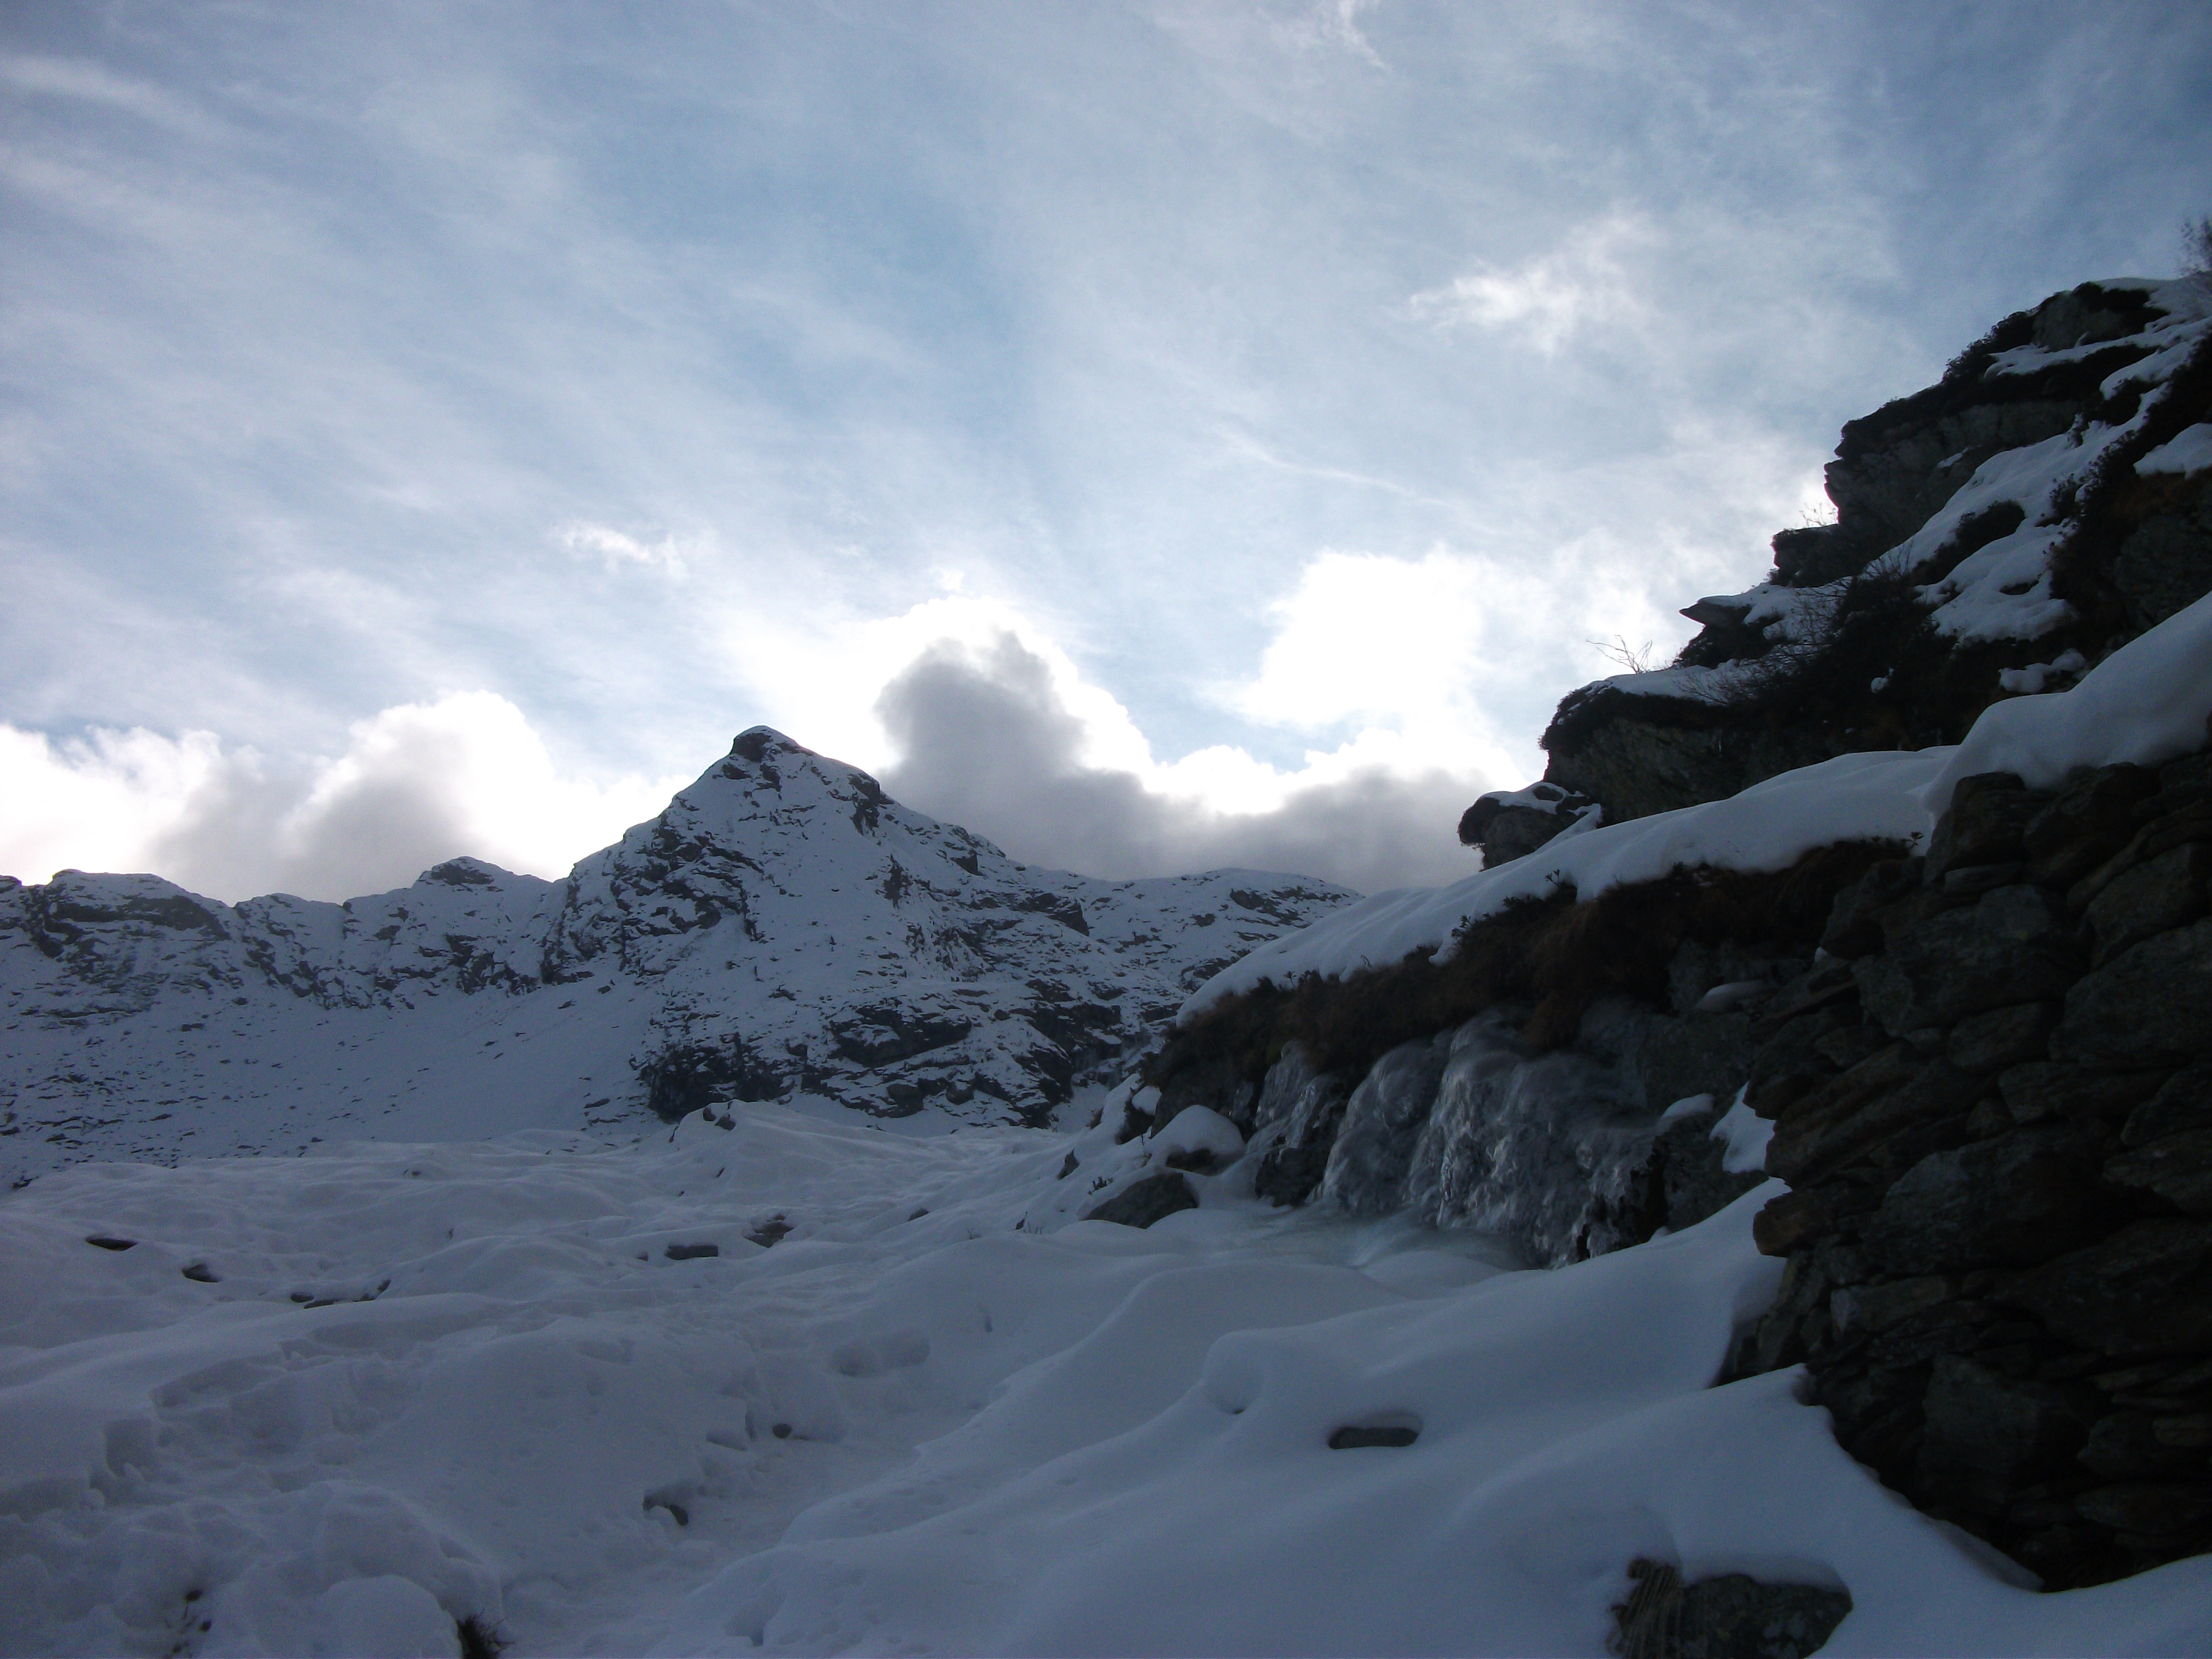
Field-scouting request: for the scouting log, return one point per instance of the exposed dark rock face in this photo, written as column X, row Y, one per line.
column 1296, row 1112
column 1992, row 1099
column 1511, row 824
column 2166, row 560
column 1998, row 1136
column 1990, row 1089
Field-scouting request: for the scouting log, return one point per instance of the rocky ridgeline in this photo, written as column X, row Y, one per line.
column 1994, row 1107
column 1993, row 536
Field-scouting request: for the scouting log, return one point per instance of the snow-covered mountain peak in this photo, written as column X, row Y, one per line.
column 782, row 929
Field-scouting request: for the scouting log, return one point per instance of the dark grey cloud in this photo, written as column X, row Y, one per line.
column 246, row 833
column 985, row 742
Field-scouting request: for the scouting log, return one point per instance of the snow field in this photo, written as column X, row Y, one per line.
column 990, row 1427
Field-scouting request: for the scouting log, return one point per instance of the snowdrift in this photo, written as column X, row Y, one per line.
column 407, row 1385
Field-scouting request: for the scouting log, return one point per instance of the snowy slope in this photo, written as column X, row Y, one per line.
column 407, row 1384
column 783, row 929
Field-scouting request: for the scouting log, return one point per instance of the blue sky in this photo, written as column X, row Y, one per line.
column 1156, row 434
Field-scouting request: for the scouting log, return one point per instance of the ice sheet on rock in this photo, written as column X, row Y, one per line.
column 2147, row 704
column 1530, row 1147
column 1382, row 1127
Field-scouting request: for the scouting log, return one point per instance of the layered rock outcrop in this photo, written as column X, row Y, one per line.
column 1979, row 1055
column 1563, row 1079
column 1986, row 1072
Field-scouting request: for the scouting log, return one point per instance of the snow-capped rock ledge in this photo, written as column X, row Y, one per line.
column 2147, row 704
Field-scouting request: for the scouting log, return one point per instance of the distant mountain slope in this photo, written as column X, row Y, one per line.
column 784, row 927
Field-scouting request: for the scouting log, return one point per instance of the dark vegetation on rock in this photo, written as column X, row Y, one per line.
column 479, row 1637
column 1559, row 955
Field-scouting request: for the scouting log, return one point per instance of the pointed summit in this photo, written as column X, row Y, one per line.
column 782, row 928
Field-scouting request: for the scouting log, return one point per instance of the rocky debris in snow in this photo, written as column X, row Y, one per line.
column 1354, row 1436
column 1998, row 1233
column 1146, row 1199
column 1732, row 1616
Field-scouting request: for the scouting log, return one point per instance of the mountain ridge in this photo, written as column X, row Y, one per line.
column 782, row 929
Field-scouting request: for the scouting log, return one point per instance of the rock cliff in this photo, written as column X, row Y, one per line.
column 1973, row 1037
column 1994, row 1107
column 1996, row 534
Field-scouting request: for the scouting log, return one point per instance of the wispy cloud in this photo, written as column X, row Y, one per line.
column 1328, row 25
column 616, row 548
column 86, row 81
column 1585, row 281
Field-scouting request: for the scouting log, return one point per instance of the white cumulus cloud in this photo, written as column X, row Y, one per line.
column 417, row 784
